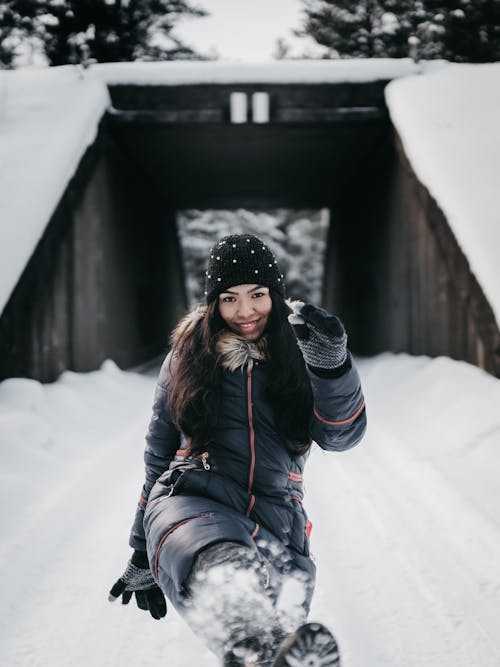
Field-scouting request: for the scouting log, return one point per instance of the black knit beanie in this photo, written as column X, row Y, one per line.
column 240, row 260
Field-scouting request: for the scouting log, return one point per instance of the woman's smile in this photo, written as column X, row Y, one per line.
column 248, row 326
column 245, row 309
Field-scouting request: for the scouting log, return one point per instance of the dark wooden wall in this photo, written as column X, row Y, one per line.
column 105, row 281
column 435, row 303
column 353, row 285
column 396, row 274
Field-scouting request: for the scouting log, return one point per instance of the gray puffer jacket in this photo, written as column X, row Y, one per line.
column 246, row 487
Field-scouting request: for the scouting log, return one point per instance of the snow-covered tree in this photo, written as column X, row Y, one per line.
column 68, row 31
column 16, row 27
column 363, row 29
column 459, row 30
column 297, row 239
column 471, row 29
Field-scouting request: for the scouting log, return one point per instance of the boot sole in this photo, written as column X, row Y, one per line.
column 313, row 645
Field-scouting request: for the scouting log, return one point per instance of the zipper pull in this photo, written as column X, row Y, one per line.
column 204, row 458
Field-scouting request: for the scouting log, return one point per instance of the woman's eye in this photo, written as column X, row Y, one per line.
column 228, row 299
column 258, row 294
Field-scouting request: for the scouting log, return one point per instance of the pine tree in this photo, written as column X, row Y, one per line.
column 470, row 29
column 16, row 26
column 363, row 29
column 457, row 30
column 106, row 30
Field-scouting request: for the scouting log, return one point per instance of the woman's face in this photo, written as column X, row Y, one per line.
column 245, row 309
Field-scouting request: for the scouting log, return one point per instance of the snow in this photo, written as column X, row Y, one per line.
column 406, row 528
column 280, row 71
column 448, row 123
column 48, row 118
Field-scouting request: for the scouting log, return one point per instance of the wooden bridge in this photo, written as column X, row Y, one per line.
column 106, row 280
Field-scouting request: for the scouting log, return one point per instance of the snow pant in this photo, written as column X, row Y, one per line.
column 239, row 604
column 212, row 589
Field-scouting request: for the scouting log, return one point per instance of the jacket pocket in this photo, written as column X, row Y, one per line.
column 172, row 479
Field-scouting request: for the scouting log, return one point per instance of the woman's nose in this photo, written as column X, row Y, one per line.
column 245, row 308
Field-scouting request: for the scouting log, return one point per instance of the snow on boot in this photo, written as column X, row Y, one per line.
column 312, row 645
column 249, row 652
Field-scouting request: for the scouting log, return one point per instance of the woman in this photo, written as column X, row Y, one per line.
column 220, row 529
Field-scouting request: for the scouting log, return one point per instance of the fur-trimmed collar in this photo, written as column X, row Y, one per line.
column 187, row 324
column 233, row 351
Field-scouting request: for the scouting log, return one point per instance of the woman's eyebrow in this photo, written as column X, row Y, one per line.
column 254, row 289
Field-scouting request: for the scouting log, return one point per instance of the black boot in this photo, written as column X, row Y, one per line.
column 312, row 645
column 248, row 652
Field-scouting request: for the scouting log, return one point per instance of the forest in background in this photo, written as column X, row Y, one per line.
column 57, row 32
column 297, row 239
column 454, row 30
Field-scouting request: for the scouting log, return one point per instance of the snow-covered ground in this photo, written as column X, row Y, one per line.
column 406, row 526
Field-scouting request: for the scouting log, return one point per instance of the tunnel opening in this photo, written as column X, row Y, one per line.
column 296, row 237
column 324, row 147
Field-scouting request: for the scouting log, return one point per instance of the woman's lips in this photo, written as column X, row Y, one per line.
column 248, row 326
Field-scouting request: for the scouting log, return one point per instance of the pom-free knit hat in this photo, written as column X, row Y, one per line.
column 239, row 260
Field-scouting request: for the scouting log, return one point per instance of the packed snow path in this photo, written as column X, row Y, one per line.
column 406, row 528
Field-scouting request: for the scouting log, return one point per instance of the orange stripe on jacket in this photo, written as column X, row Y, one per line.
column 343, row 421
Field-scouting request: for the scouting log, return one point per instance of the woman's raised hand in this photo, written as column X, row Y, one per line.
column 138, row 579
column 321, row 337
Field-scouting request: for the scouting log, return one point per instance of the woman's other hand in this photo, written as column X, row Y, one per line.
column 138, row 579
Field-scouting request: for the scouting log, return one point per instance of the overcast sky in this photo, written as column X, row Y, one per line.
column 244, row 30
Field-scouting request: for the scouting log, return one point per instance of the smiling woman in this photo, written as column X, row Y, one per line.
column 220, row 529
column 245, row 309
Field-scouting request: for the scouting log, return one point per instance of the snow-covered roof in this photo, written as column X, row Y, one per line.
column 279, row 71
column 449, row 124
column 48, row 118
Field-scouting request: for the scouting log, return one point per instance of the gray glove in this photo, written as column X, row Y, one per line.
column 138, row 579
column 321, row 337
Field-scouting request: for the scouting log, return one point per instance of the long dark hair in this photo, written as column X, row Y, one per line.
column 195, row 399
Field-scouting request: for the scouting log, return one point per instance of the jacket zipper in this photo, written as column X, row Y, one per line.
column 252, row 440
column 204, row 460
